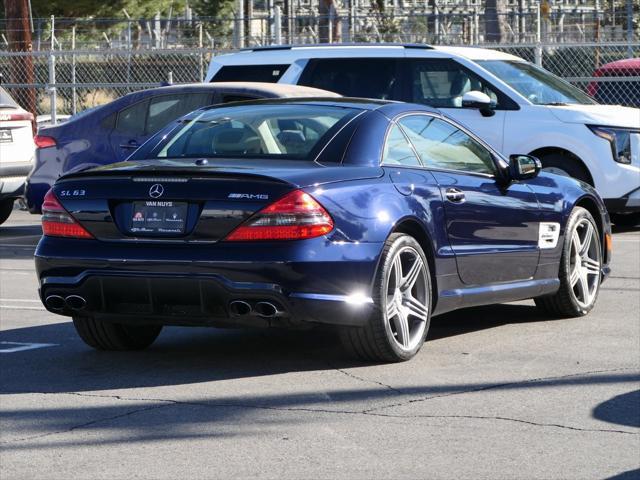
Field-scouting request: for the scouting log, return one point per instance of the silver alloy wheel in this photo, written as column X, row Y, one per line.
column 557, row 171
column 407, row 299
column 584, row 263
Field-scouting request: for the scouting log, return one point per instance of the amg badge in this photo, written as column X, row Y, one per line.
column 249, row 196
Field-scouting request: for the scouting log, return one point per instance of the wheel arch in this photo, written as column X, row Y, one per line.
column 412, row 226
column 545, row 151
column 591, row 205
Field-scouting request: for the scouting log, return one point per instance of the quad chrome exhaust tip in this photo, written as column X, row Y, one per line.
column 73, row 302
column 55, row 302
column 239, row 308
column 266, row 309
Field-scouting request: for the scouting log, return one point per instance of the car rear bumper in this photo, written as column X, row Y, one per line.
column 199, row 291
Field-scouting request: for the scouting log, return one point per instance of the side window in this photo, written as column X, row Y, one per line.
column 132, row 119
column 397, row 150
column 442, row 83
column 250, row 73
column 234, row 97
column 441, row 145
column 164, row 109
column 353, row 77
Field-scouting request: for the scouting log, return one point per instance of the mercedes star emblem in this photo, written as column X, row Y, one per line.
column 156, row 190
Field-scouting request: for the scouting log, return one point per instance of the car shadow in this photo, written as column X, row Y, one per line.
column 469, row 320
column 195, row 355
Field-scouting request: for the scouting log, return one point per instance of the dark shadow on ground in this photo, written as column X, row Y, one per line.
column 630, row 475
column 482, row 318
column 622, row 409
column 196, row 355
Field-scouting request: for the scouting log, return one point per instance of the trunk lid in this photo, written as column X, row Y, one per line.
column 180, row 201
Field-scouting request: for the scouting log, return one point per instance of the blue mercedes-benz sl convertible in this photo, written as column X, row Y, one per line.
column 369, row 215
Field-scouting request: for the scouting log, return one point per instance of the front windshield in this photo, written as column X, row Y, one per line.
column 537, row 85
column 289, row 131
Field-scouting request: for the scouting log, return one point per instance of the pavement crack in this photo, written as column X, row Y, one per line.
column 87, row 424
column 493, row 387
column 366, row 380
column 374, row 412
column 511, row 419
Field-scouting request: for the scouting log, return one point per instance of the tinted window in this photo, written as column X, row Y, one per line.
column 132, row 119
column 250, row 131
column 353, row 77
column 250, row 73
column 442, row 83
column 149, row 116
column 441, row 145
column 165, row 108
column 397, row 150
column 232, row 97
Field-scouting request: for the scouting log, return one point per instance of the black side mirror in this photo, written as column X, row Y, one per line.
column 523, row 167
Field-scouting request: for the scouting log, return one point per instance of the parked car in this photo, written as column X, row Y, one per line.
column 16, row 151
column 512, row 104
column 110, row 133
column 365, row 214
column 620, row 85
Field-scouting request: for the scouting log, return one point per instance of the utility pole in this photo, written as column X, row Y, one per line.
column 18, row 20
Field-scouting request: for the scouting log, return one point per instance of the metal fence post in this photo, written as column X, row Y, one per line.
column 52, row 75
column 129, row 48
column 538, row 47
column 200, row 46
column 74, row 93
column 277, row 25
column 630, row 28
column 239, row 26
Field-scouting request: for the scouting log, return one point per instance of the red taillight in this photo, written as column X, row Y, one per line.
column 56, row 221
column 44, row 142
column 295, row 216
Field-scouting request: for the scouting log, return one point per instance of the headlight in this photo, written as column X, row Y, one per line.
column 620, row 140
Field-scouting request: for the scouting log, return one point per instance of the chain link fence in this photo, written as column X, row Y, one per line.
column 74, row 71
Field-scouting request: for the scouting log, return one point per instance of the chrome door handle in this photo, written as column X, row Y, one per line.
column 455, row 195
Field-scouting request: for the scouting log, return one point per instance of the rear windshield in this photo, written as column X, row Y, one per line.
column 250, row 73
column 253, row 131
column 6, row 100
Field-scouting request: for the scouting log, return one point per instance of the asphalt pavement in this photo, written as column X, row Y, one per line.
column 496, row 392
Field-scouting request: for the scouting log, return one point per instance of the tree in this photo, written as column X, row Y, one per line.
column 19, row 37
column 495, row 20
column 92, row 8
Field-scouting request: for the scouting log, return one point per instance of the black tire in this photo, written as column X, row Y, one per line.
column 115, row 336
column 572, row 167
column 6, row 207
column 376, row 341
column 626, row 219
column 565, row 303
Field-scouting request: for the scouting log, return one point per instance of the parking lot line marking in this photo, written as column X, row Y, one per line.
column 21, row 347
column 28, row 300
column 21, row 307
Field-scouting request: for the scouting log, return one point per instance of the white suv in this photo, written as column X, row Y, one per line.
column 17, row 150
column 511, row 103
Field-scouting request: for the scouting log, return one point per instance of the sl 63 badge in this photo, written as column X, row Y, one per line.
column 72, row 193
